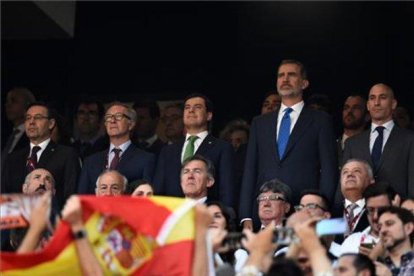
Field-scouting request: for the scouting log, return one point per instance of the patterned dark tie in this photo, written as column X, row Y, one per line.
column 284, row 132
column 377, row 148
column 115, row 160
column 32, row 160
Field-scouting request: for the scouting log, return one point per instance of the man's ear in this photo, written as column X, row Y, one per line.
column 25, row 188
column 409, row 228
column 210, row 182
column 305, row 84
column 287, row 208
column 131, row 125
column 52, row 124
column 209, row 116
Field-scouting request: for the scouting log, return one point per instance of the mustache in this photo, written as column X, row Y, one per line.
column 42, row 187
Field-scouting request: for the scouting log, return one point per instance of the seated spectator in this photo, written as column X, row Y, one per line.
column 140, row 188
column 236, row 132
column 408, row 204
column 402, row 118
column 271, row 102
column 111, row 183
column 172, row 119
column 354, row 264
column 320, row 102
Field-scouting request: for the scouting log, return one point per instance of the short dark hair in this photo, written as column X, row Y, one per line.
column 302, row 68
column 209, row 165
column 42, row 104
column 228, row 213
column 277, row 186
column 151, row 105
column 378, row 189
column 284, row 267
column 207, row 101
column 403, row 214
column 101, row 108
column 325, row 201
column 135, row 184
column 361, row 262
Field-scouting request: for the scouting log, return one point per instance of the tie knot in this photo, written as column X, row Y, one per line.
column 380, row 129
column 192, row 139
column 116, row 151
column 35, row 149
column 351, row 207
column 288, row 110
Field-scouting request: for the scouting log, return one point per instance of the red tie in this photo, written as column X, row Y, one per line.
column 32, row 160
column 115, row 160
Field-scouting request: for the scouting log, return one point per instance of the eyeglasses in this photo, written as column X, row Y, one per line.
column 272, row 197
column 37, row 117
column 309, row 206
column 116, row 116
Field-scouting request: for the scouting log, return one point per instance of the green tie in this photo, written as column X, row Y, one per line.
column 189, row 149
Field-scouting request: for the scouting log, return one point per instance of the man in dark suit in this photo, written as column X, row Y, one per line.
column 122, row 155
column 386, row 147
column 17, row 101
column 293, row 144
column 144, row 135
column 198, row 112
column 88, row 118
column 61, row 161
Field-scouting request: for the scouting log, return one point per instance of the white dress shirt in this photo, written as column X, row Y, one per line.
column 201, row 136
column 111, row 154
column 294, row 115
column 386, row 134
column 42, row 146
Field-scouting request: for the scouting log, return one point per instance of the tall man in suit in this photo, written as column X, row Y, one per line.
column 293, row 144
column 61, row 161
column 17, row 101
column 198, row 112
column 122, row 155
column 386, row 147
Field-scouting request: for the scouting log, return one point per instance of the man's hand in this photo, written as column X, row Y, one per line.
column 72, row 213
column 39, row 216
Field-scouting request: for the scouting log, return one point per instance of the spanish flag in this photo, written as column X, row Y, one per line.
column 129, row 236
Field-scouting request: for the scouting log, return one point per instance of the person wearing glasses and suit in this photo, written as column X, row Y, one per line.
column 121, row 155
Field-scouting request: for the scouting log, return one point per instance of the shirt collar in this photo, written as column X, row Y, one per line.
column 42, row 145
column 202, row 135
column 388, row 126
column 360, row 202
column 296, row 107
column 152, row 139
column 123, row 146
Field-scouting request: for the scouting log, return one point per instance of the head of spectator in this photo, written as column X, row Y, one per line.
column 88, row 119
column 354, row 114
column 377, row 196
column 119, row 122
column 381, row 103
column 39, row 181
column 236, row 132
column 291, row 81
column 198, row 113
column 286, row 267
column 17, row 101
column 271, row 102
column 274, row 202
column 148, row 115
column 314, row 203
column 356, row 175
column 140, row 188
column 222, row 216
column 197, row 175
column 173, row 121
column 408, row 204
column 396, row 232
column 354, row 264
column 61, row 132
column 38, row 122
column 320, row 102
column 401, row 117
column 111, row 183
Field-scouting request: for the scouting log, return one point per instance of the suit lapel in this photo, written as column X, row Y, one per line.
column 206, row 145
column 364, row 149
column 128, row 154
column 392, row 140
column 300, row 127
column 47, row 154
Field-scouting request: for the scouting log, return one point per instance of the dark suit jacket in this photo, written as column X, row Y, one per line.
column 61, row 161
column 134, row 164
column 397, row 160
column 359, row 227
column 100, row 144
column 167, row 175
column 310, row 159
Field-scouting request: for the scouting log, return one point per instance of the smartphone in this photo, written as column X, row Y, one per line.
column 331, row 226
column 368, row 245
column 283, row 236
column 233, row 240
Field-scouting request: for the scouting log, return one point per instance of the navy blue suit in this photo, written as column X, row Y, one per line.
column 310, row 159
column 61, row 161
column 134, row 164
column 167, row 175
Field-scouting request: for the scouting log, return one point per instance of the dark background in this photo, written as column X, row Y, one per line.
column 229, row 50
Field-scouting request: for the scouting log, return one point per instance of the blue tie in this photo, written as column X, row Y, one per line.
column 284, row 132
column 377, row 148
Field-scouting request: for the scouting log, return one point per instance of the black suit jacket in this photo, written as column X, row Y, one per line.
column 359, row 227
column 167, row 175
column 61, row 161
column 100, row 144
column 134, row 164
column 397, row 160
column 310, row 159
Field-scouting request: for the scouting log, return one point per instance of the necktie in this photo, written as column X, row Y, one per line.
column 350, row 210
column 189, row 149
column 284, row 132
column 115, row 160
column 32, row 160
column 377, row 148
